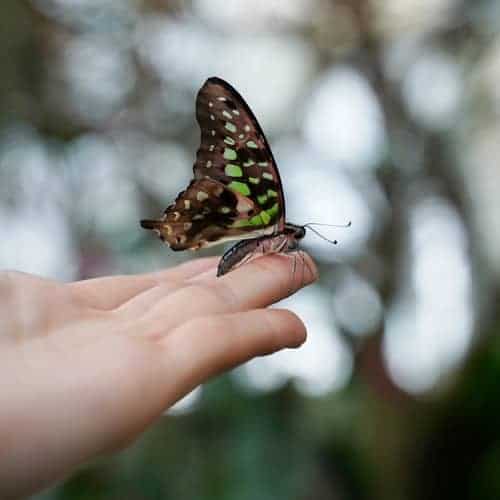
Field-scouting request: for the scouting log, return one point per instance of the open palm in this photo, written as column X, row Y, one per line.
column 86, row 366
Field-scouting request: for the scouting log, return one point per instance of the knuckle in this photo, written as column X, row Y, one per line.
column 226, row 294
column 205, row 324
column 202, row 294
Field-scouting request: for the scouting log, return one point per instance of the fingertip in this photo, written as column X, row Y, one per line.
column 292, row 329
column 311, row 267
column 287, row 266
column 268, row 279
column 206, row 346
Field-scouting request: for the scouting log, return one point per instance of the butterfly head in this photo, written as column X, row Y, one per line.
column 296, row 232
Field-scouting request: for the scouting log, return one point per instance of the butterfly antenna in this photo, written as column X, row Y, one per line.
column 333, row 242
column 327, row 225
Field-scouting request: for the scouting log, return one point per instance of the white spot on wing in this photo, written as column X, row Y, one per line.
column 201, row 196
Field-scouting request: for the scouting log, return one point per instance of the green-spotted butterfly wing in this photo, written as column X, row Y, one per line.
column 236, row 192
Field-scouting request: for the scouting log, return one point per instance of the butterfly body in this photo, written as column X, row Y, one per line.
column 284, row 242
column 236, row 193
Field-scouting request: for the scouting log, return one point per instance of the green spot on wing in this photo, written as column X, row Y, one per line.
column 272, row 193
column 230, row 154
column 251, row 144
column 233, row 170
column 254, row 180
column 273, row 210
column 241, row 187
column 231, row 127
column 256, row 220
column 262, row 198
column 265, row 217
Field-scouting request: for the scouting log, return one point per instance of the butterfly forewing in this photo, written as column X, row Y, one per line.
column 236, row 192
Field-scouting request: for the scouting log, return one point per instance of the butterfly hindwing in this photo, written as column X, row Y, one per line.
column 205, row 214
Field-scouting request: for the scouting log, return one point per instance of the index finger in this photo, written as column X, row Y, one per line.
column 258, row 284
column 109, row 292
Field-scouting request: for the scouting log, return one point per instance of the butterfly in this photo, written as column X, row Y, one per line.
column 236, row 192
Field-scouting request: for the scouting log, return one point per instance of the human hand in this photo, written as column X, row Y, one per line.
column 86, row 366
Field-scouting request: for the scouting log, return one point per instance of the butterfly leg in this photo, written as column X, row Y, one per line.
column 295, row 255
column 282, row 248
column 311, row 273
column 305, row 265
column 301, row 255
column 294, row 268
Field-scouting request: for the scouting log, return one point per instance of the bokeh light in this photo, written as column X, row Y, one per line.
column 430, row 326
column 343, row 120
column 440, row 76
column 322, row 365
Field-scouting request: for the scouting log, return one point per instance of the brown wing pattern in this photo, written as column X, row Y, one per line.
column 205, row 214
column 236, row 192
column 234, row 149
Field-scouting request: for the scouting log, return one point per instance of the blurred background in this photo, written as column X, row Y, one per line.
column 383, row 112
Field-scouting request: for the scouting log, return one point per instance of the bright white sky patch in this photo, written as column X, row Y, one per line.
column 403, row 16
column 432, row 90
column 344, row 121
column 185, row 51
column 105, row 196
column 35, row 235
column 429, row 328
column 256, row 15
column 165, row 168
column 357, row 305
column 187, row 404
column 323, row 364
column 98, row 74
column 36, row 240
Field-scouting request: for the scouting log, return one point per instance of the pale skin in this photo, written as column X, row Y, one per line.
column 86, row 366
